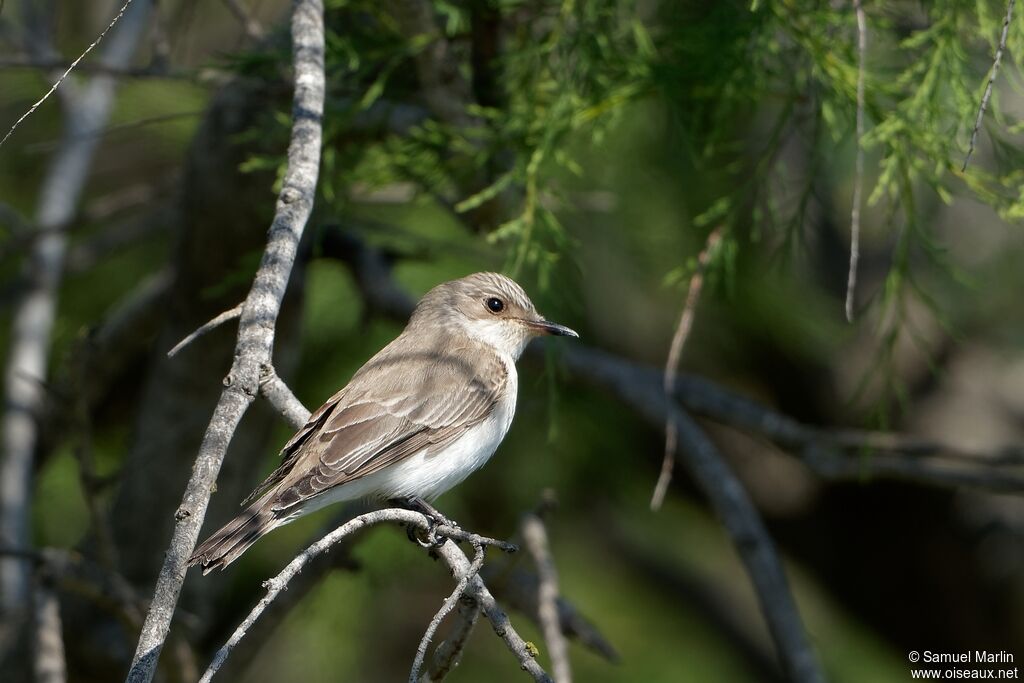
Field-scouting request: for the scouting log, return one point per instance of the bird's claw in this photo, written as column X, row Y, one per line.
column 429, row 538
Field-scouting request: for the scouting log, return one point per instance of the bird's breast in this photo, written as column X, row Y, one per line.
column 429, row 474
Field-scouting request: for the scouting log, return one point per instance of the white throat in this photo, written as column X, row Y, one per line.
column 506, row 338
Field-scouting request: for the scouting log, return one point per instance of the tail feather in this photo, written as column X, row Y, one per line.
column 235, row 537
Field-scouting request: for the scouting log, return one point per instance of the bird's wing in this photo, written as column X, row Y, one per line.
column 397, row 405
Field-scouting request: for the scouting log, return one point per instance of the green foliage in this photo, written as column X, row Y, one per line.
column 739, row 82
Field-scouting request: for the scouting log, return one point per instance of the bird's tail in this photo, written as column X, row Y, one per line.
column 235, row 537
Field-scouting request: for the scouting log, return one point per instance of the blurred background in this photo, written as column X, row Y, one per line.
column 587, row 149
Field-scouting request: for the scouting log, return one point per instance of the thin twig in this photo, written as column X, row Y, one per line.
column 255, row 329
column 66, row 72
column 279, row 583
column 701, row 396
column 991, row 81
column 755, row 547
column 535, row 538
column 338, row 558
column 281, row 397
column 525, row 653
column 85, row 109
column 519, row 589
column 831, row 464
column 447, row 655
column 446, row 608
column 672, row 363
column 729, row 499
column 455, row 558
column 209, row 325
column 858, row 174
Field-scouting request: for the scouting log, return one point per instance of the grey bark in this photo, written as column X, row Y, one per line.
column 254, row 348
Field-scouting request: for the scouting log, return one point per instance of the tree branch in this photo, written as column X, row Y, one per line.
column 741, row 519
column 446, row 608
column 672, row 363
column 640, row 387
column 991, row 81
column 525, row 654
column 728, row 498
column 281, row 397
column 447, row 655
column 858, row 174
column 448, row 551
column 86, row 110
column 49, row 665
column 215, row 322
column 256, row 325
column 535, row 538
column 67, row 71
column 520, row 588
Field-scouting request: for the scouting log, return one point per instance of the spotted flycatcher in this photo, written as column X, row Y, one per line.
column 424, row 413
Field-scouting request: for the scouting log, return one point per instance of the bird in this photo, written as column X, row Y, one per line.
column 420, row 416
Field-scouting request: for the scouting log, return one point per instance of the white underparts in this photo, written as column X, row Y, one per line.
column 430, row 475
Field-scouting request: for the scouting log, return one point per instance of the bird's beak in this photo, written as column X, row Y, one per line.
column 547, row 327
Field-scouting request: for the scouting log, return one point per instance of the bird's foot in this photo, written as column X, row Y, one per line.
column 429, row 538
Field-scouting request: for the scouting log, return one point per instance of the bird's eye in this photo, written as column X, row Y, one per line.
column 495, row 305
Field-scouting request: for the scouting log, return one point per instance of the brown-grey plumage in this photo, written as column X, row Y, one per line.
column 419, row 416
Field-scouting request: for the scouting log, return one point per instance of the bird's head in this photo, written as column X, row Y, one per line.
column 490, row 308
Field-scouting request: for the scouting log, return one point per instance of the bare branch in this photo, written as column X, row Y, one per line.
column 447, row 655
column 672, row 363
column 281, row 397
column 741, row 519
column 86, row 109
column 279, row 583
column 641, row 388
column 729, row 500
column 256, row 325
column 702, row 396
column 693, row 591
column 66, row 72
column 535, row 538
column 448, row 551
column 991, row 81
column 49, row 665
column 519, row 589
column 829, row 463
column 904, row 453
column 211, row 324
column 858, row 174
column 446, row 608
column 337, row 558
column 525, row 654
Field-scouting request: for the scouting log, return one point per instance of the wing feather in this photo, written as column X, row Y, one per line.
column 412, row 402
